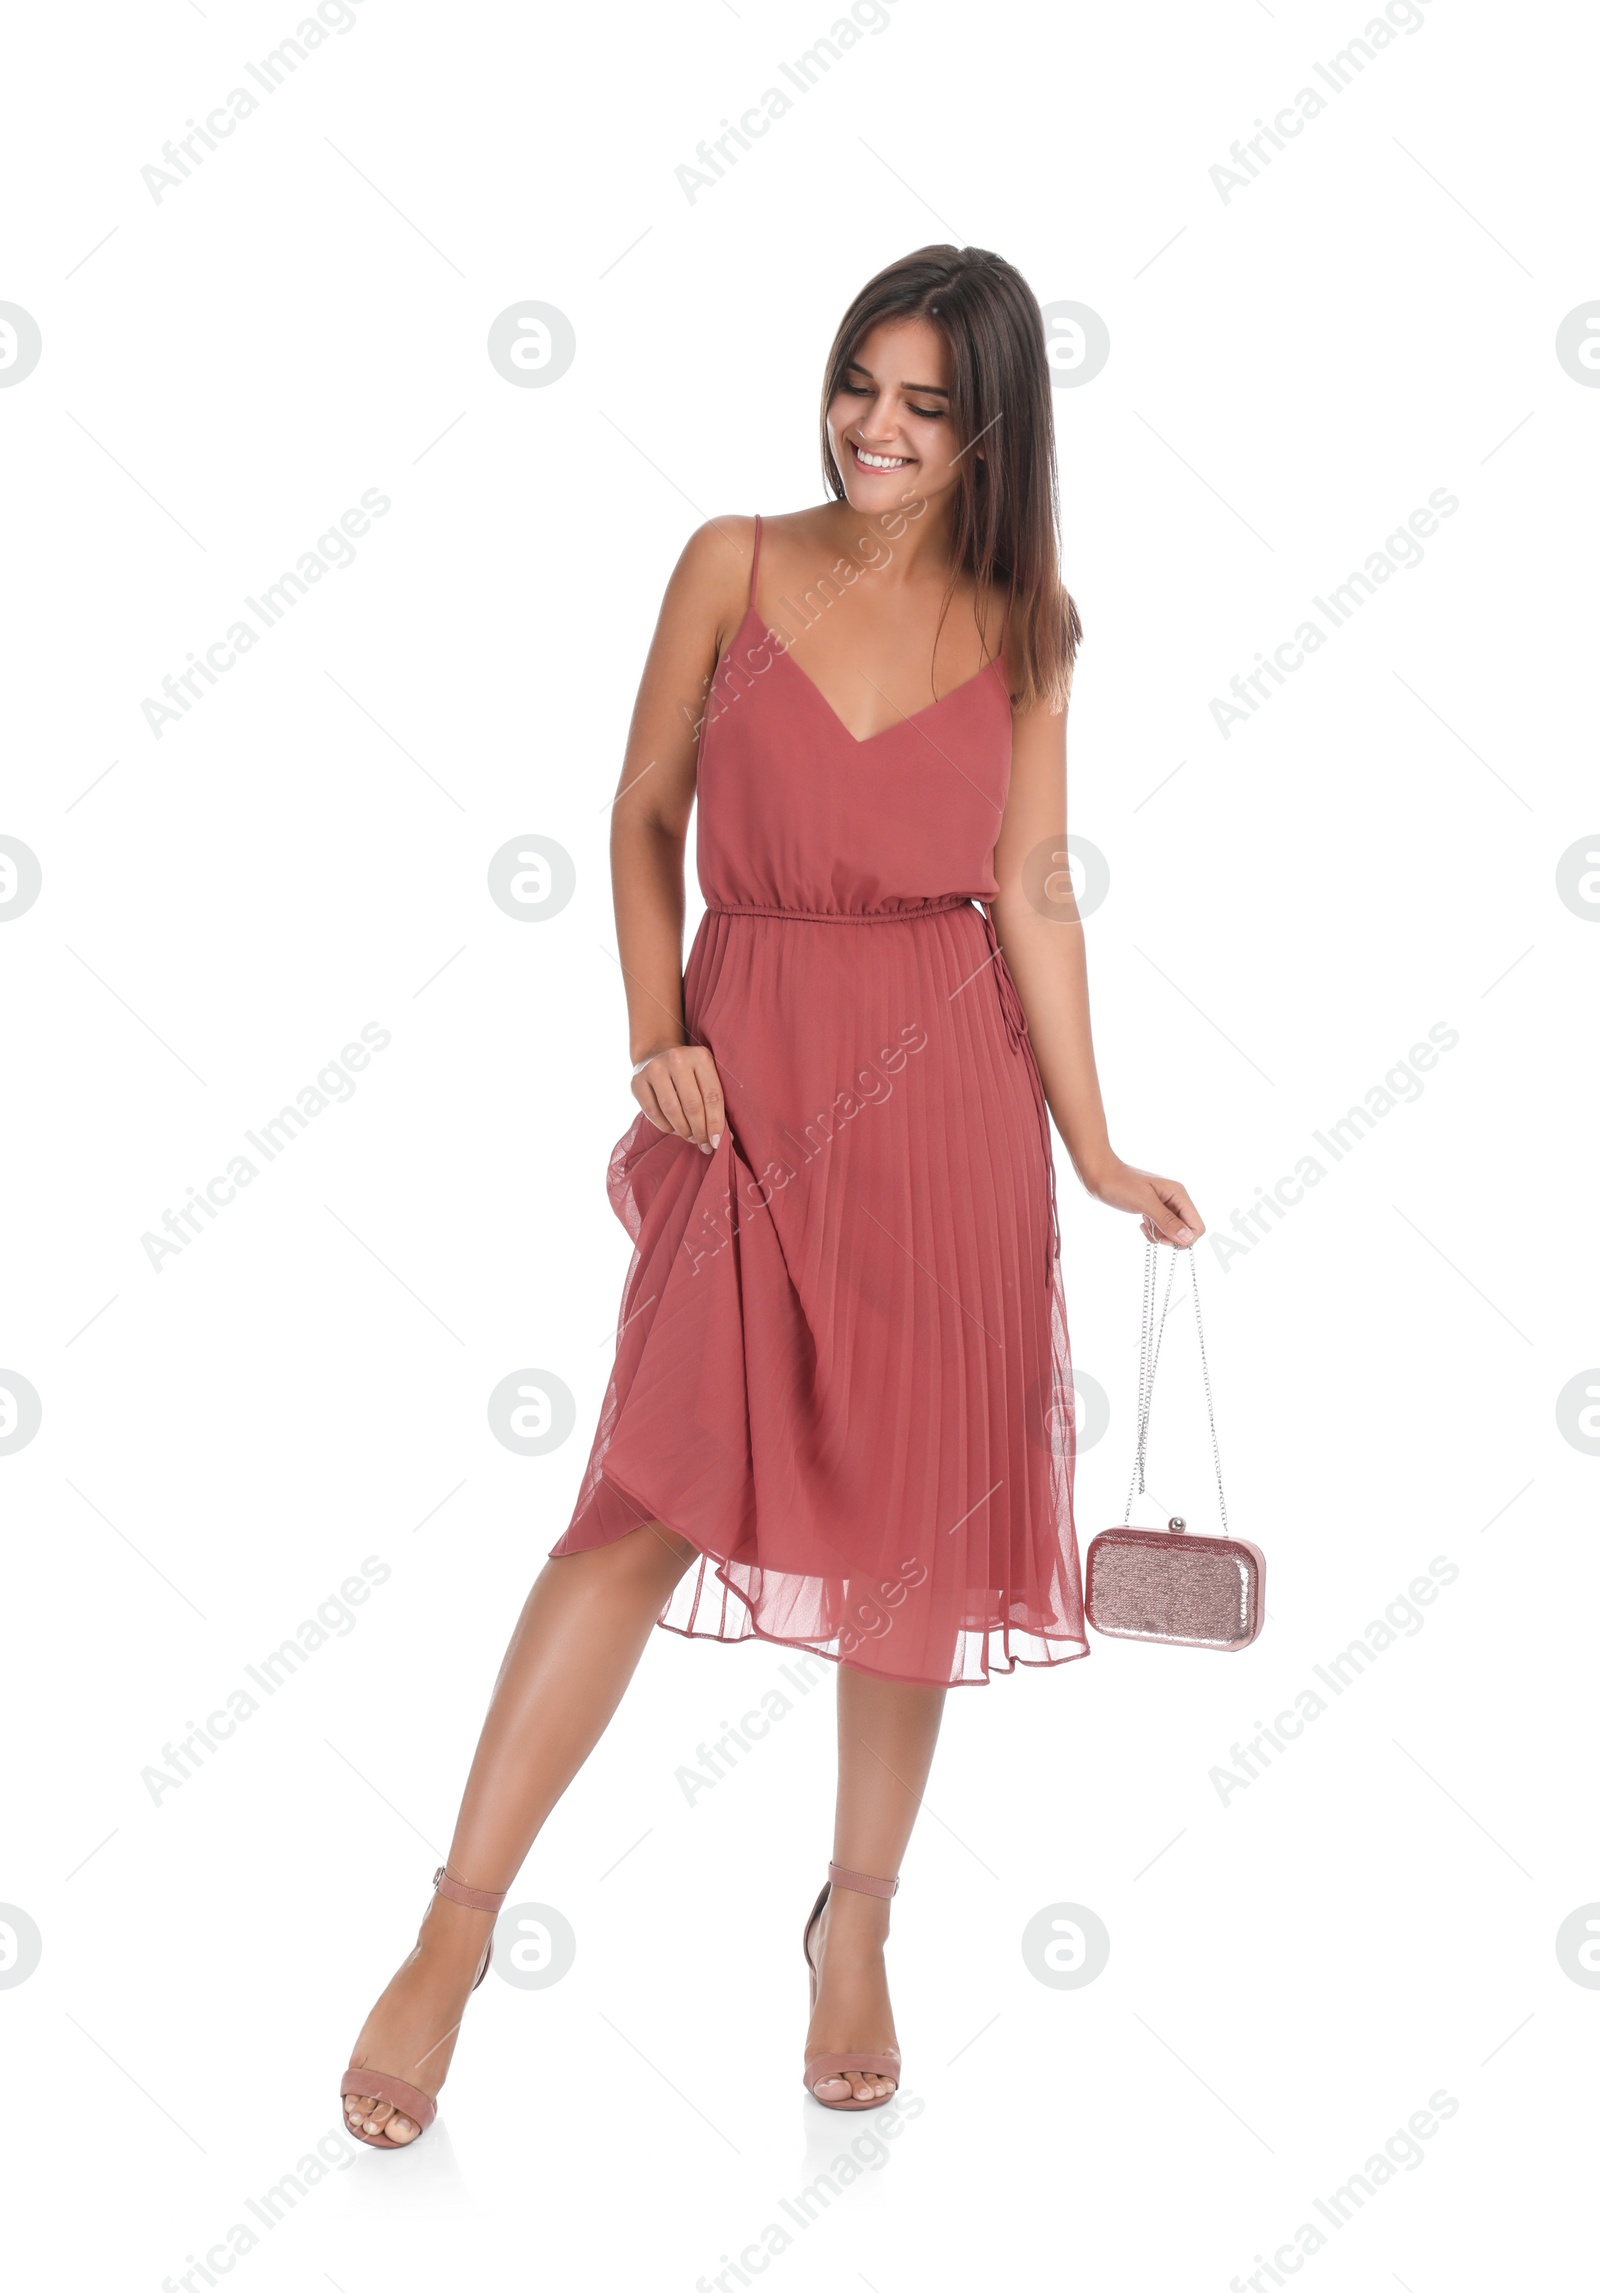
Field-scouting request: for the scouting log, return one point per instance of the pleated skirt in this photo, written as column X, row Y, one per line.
column 842, row 1367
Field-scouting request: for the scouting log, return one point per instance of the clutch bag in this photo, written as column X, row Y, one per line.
column 1164, row 1584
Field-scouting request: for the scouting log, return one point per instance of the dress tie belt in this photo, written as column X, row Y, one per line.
column 1016, row 1020
column 1011, row 1011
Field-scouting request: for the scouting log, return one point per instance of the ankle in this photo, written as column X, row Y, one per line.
column 451, row 1933
column 861, row 1922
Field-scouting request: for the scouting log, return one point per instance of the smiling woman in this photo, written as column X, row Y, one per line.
column 821, row 1424
column 977, row 393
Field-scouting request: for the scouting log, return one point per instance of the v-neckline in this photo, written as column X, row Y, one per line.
column 883, row 732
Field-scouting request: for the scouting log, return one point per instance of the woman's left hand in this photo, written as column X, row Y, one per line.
column 1161, row 1205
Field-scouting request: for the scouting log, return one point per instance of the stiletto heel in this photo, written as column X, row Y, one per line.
column 400, row 2095
column 823, row 2066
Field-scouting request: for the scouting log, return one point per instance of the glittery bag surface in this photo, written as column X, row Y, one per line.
column 1164, row 1584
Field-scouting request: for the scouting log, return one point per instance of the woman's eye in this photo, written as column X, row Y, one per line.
column 926, row 413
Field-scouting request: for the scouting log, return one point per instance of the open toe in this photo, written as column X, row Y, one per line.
column 848, row 2081
column 391, row 2112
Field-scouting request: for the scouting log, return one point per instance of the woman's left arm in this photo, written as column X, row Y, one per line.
column 1044, row 949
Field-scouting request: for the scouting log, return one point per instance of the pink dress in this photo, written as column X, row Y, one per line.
column 842, row 1367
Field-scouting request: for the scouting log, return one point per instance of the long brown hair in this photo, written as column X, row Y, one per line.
column 1006, row 503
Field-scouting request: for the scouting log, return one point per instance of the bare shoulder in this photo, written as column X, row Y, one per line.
column 710, row 583
column 801, row 544
column 712, row 575
column 715, row 559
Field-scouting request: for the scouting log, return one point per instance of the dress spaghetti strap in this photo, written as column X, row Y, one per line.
column 755, row 560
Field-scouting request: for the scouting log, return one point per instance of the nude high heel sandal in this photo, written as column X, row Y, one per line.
column 822, row 2066
column 410, row 2100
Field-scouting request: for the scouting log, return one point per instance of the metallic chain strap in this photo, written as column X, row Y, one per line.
column 1150, row 1332
column 1149, row 1346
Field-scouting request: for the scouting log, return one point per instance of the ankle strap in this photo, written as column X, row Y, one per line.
column 475, row 1898
column 860, row 1882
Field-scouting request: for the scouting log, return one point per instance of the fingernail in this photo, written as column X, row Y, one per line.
column 716, row 1138
column 1185, row 1233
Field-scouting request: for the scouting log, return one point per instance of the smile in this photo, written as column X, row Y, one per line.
column 879, row 461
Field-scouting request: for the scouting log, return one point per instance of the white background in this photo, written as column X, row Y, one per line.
column 1293, row 370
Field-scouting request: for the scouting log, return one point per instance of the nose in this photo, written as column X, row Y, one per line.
column 875, row 422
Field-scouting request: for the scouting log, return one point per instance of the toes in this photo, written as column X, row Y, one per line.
column 365, row 2114
column 854, row 2086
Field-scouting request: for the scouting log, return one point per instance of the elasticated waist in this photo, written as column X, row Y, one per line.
column 867, row 916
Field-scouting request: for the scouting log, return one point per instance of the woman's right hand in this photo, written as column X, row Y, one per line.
column 679, row 1090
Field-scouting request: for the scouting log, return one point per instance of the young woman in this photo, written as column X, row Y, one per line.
column 839, row 1415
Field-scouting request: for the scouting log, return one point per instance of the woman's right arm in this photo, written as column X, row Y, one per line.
column 678, row 1089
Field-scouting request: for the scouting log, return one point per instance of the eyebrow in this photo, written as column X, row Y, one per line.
column 923, row 389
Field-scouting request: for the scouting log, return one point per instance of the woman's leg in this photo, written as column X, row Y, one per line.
column 887, row 1731
column 582, row 1631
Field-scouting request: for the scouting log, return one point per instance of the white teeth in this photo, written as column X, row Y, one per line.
column 882, row 461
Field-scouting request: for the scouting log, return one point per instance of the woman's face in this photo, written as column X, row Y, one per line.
column 889, row 422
